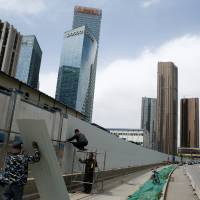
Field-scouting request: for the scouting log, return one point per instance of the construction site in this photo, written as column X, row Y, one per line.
column 28, row 114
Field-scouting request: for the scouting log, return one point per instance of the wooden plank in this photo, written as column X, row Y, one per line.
column 47, row 172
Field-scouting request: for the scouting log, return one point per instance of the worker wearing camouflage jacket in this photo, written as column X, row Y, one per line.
column 15, row 174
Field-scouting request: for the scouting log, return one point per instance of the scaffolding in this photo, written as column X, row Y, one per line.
column 76, row 175
column 10, row 136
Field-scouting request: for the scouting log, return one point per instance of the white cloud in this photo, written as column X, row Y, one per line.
column 22, row 6
column 120, row 87
column 48, row 83
column 147, row 3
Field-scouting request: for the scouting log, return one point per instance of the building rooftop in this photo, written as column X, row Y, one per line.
column 87, row 10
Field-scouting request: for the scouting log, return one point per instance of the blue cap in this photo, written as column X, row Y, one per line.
column 17, row 144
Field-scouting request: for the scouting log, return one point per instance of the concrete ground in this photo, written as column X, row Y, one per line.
column 124, row 186
column 119, row 188
column 180, row 186
column 193, row 172
column 120, row 192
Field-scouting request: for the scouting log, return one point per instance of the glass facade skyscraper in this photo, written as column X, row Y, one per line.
column 29, row 61
column 67, row 85
column 148, row 121
column 76, row 64
column 90, row 17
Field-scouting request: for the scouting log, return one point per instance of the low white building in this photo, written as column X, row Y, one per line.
column 131, row 135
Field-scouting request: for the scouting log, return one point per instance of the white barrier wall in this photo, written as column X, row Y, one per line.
column 120, row 153
column 25, row 110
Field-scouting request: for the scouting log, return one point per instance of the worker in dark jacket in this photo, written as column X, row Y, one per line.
column 90, row 164
column 15, row 174
column 81, row 140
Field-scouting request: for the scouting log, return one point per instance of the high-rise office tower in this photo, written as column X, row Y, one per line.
column 148, row 121
column 90, row 17
column 189, row 122
column 167, row 108
column 76, row 64
column 28, row 67
column 10, row 41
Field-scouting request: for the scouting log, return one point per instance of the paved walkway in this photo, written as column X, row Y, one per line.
column 118, row 193
column 180, row 186
column 193, row 172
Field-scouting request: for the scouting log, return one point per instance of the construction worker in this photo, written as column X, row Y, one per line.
column 81, row 140
column 15, row 173
column 155, row 176
column 90, row 165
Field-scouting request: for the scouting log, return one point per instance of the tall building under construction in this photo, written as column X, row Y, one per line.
column 10, row 41
column 167, row 108
column 189, row 122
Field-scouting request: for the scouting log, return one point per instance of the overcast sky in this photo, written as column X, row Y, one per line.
column 135, row 35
